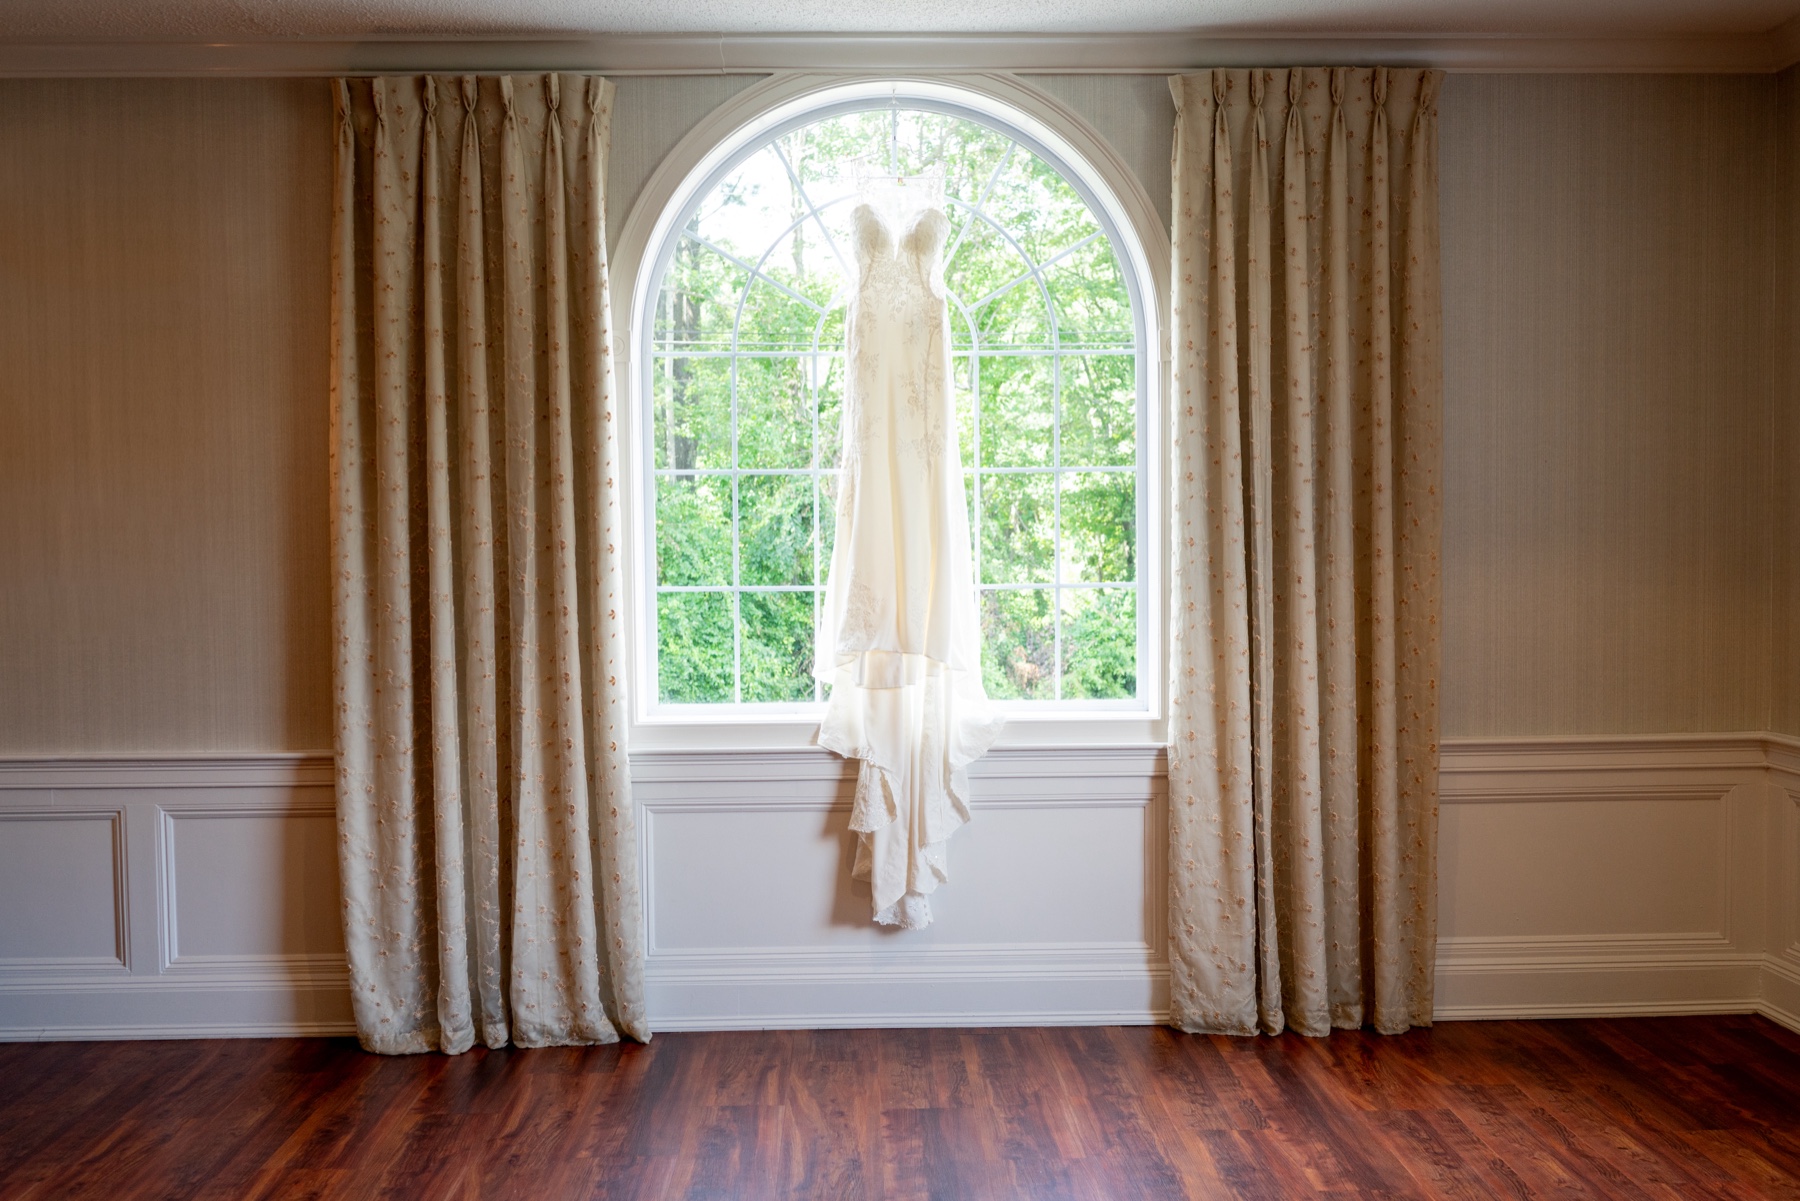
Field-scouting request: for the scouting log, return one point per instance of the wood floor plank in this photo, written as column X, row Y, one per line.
column 1489, row 1164
column 1671, row 1108
column 1434, row 1166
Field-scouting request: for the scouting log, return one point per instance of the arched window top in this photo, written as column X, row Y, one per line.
column 740, row 347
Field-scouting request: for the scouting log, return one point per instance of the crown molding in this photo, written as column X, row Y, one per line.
column 1146, row 53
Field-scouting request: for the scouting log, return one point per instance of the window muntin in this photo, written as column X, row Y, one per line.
column 743, row 352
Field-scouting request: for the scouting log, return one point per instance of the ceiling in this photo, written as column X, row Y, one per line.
column 88, row 21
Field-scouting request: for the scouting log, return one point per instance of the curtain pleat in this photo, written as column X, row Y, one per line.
column 487, row 840
column 1306, row 393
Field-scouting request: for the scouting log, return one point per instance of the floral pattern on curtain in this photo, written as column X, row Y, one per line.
column 1306, row 405
column 487, row 844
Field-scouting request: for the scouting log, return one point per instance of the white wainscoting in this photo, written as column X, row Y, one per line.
column 1053, row 913
column 1616, row 876
column 169, row 898
column 1781, row 972
column 155, row 898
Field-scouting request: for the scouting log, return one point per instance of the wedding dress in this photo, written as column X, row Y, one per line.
column 898, row 636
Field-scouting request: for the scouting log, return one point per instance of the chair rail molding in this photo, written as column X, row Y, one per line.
column 198, row 770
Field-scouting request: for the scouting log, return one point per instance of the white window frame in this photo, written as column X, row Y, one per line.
column 1041, row 125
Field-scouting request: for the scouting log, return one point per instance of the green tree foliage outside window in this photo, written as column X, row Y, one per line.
column 746, row 379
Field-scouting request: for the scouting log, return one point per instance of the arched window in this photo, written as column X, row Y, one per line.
column 741, row 372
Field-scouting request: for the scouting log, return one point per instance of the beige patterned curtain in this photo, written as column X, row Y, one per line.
column 486, row 832
column 1305, row 408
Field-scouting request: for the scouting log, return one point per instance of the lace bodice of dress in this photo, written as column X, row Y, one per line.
column 897, row 329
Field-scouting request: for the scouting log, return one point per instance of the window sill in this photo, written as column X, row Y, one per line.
column 1090, row 766
column 795, row 730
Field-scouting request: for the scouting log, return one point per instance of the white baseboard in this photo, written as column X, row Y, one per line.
column 1021, row 985
column 1780, row 1001
column 146, row 1033
column 983, row 1016
column 1766, row 985
column 161, row 1009
column 1482, row 979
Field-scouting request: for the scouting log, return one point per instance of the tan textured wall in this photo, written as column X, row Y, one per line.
column 1611, row 365
column 1784, row 443
column 163, row 305
column 650, row 114
column 1613, row 556
column 163, row 376
column 1610, row 354
column 1136, row 116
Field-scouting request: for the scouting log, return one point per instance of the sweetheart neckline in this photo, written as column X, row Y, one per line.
column 898, row 246
column 918, row 216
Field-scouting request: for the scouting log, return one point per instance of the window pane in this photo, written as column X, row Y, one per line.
column 831, row 329
column 827, row 372
column 775, row 407
column 693, row 530
column 1016, row 412
column 962, row 381
column 755, row 198
column 833, row 203
column 985, row 263
column 692, row 399
column 1099, row 643
column 773, row 319
column 693, row 647
column 777, row 645
column 828, row 499
column 1018, row 529
column 1039, row 208
column 964, row 151
column 1018, row 644
column 775, row 529
column 698, row 302
column 1099, row 410
column 819, row 151
column 1099, row 527
column 1017, row 319
column 1093, row 306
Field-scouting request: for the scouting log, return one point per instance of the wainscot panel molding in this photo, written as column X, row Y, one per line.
column 1609, row 876
column 196, row 896
column 224, row 886
column 697, row 53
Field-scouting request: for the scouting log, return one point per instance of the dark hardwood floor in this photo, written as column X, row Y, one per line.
column 1653, row 1107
